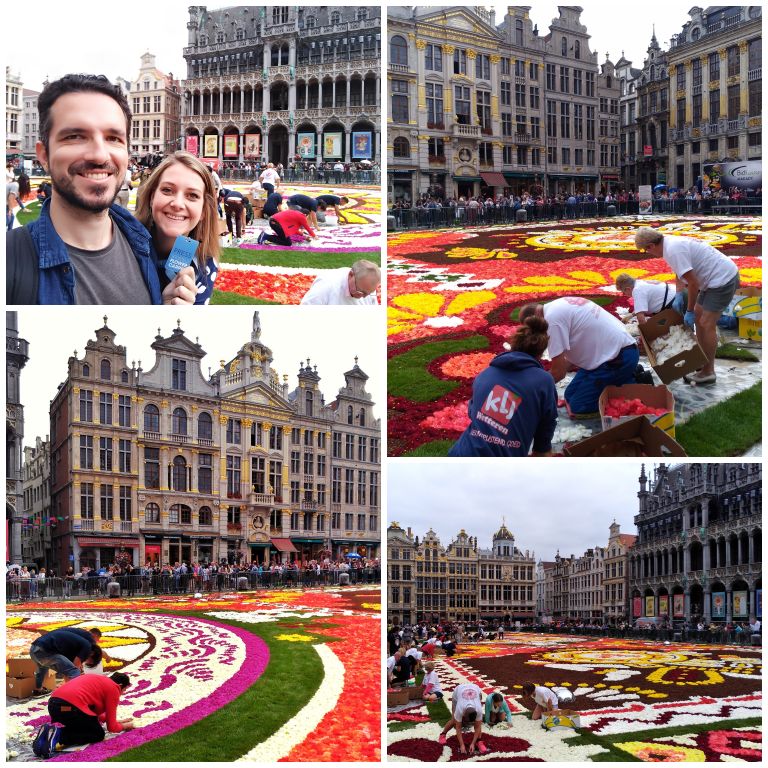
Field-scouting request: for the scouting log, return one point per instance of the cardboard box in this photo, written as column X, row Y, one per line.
column 749, row 311
column 415, row 692
column 19, row 687
column 397, row 696
column 638, row 431
column 675, row 367
column 20, row 667
column 52, row 681
column 654, row 397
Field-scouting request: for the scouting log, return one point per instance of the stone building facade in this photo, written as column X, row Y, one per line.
column 30, row 119
column 155, row 101
column 715, row 82
column 401, row 581
column 37, row 522
column 698, row 552
column 628, row 76
column 585, row 588
column 172, row 465
column 616, row 575
column 14, row 112
column 271, row 82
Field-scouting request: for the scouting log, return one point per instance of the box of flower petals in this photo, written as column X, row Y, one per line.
column 657, row 404
column 672, row 348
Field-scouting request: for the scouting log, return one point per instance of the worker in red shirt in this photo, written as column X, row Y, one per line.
column 82, row 704
column 284, row 224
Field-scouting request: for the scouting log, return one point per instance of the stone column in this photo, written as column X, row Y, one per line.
column 291, row 144
column 687, row 604
column 333, row 95
column 704, row 91
column 672, row 110
column 306, row 94
column 705, row 512
column 727, row 553
column 723, row 83
column 378, row 92
column 688, row 91
column 743, row 77
column 687, row 559
column 707, row 605
column 705, row 556
column 377, row 158
column 728, row 605
column 349, row 95
column 751, row 549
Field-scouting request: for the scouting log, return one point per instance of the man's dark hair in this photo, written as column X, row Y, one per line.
column 95, row 657
column 95, row 631
column 78, row 84
column 471, row 715
column 121, row 679
column 322, row 205
column 497, row 697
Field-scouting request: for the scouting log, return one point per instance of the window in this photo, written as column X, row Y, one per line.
column 578, row 156
column 106, row 502
column 590, row 80
column 505, row 66
column 577, row 51
column 179, row 374
column 152, row 468
column 205, row 516
column 506, row 93
column 506, row 124
column 434, row 106
column 714, row 66
column 258, row 475
column 680, row 82
column 696, row 108
column 459, row 62
column 435, row 148
column 276, row 438
column 399, row 101
column 276, row 479
column 484, row 110
column 533, row 71
column 233, row 477
column 152, row 513
column 360, row 522
column 105, row 408
column 551, row 77
column 105, row 371
column 755, row 54
column 124, row 456
column 151, row 418
column 86, row 405
column 205, row 426
column 205, row 473
column 179, row 474
column 126, row 505
column 349, row 486
column 566, row 155
column 234, row 431
column 295, row 499
column 577, row 82
column 551, row 119
column 590, row 125
column 398, row 51
column 696, row 72
column 462, row 104
column 734, row 59
column 401, row 147
column 714, row 105
column 518, row 32
column 295, row 462
column 321, row 465
column 565, row 119
column 535, row 156
column 233, row 515
column 482, row 67
column 519, row 95
column 349, row 446
column 681, row 112
column 179, row 422
column 522, row 155
column 105, row 454
column 564, row 80
column 755, row 98
column 563, row 46
column 734, row 102
column 485, row 153
column 578, row 123
column 124, row 410
column 86, row 451
column 336, row 449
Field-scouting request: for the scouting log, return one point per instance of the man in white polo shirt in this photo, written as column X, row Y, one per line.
column 584, row 336
column 712, row 280
column 355, row 285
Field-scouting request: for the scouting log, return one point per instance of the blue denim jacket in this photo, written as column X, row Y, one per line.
column 57, row 276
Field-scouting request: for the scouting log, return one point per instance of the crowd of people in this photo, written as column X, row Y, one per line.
column 303, row 170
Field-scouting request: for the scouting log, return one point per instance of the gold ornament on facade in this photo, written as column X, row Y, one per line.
column 471, row 53
column 421, row 44
column 247, row 423
column 286, row 429
column 495, row 58
column 164, row 403
column 672, row 69
column 743, row 46
column 449, row 49
column 688, row 66
column 723, row 53
column 223, row 420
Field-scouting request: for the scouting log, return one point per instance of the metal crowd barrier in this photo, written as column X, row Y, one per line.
column 653, row 633
column 172, row 584
column 370, row 177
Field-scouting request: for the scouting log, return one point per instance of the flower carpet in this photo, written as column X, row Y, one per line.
column 637, row 701
column 282, row 274
column 453, row 295
column 253, row 677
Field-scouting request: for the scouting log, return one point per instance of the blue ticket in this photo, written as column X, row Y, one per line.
column 181, row 255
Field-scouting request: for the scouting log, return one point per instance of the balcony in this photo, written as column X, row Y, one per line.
column 523, row 138
column 206, row 442
column 151, row 435
column 17, row 346
column 125, row 526
column 234, row 528
column 755, row 74
column 181, row 439
column 309, row 506
column 466, row 131
column 263, row 499
column 399, row 68
column 88, row 525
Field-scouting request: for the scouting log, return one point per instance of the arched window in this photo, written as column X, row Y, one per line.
column 577, row 49
column 86, row 370
column 609, row 82
column 180, row 513
column 398, row 51
column 519, row 32
column 205, row 426
column 309, row 401
column 284, row 54
column 335, row 17
column 179, row 422
column 151, row 418
column 124, row 377
column 105, row 372
column 179, row 475
column 362, row 14
column 152, row 513
column 362, row 417
column 350, row 415
column 401, row 147
column 563, row 46
column 205, row 516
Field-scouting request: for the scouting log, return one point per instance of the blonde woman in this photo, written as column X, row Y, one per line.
column 179, row 198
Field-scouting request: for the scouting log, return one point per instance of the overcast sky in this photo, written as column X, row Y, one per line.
column 49, row 39
column 324, row 334
column 548, row 504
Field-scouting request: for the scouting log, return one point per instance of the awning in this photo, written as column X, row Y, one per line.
column 518, row 175
column 466, row 178
column 283, row 545
column 306, row 541
column 493, row 179
column 572, row 176
column 93, row 541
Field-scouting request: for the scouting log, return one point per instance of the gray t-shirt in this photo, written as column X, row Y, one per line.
column 108, row 276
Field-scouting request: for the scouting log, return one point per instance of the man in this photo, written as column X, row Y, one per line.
column 356, row 285
column 545, row 699
column 83, row 249
column 234, row 208
column 284, row 224
column 306, row 205
column 81, row 705
column 584, row 336
column 393, row 661
column 270, row 178
column 466, row 708
column 338, row 169
column 712, row 280
column 64, row 650
column 648, row 296
column 334, row 201
column 273, row 204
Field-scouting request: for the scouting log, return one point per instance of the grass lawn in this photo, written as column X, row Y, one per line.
column 227, row 297
column 297, row 257
column 730, row 351
column 433, row 448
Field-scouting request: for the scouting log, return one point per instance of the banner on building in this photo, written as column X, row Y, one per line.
column 650, row 605
column 252, row 144
column 332, row 146
column 211, row 146
column 193, row 145
column 647, row 150
column 663, row 605
column 637, row 607
column 305, row 145
column 718, row 605
column 646, row 199
column 230, row 146
column 740, row 605
column 362, row 145
column 678, row 606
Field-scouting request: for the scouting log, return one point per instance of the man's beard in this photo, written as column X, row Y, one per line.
column 63, row 185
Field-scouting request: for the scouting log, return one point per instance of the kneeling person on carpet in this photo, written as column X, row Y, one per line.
column 545, row 699
column 64, row 650
column 466, row 707
column 496, row 710
column 86, row 702
column 584, row 336
column 433, row 690
column 284, row 224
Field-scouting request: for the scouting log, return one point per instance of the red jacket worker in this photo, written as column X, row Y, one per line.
column 285, row 224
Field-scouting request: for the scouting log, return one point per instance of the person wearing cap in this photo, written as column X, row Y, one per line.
column 712, row 279
column 466, row 709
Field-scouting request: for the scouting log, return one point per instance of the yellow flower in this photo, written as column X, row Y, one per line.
column 372, row 606
column 296, row 638
column 648, row 751
column 581, row 280
column 480, row 253
column 413, row 309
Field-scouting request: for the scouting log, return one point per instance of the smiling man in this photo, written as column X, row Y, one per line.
column 84, row 249
column 355, row 285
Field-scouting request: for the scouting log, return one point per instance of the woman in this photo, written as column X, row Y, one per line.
column 179, row 198
column 514, row 400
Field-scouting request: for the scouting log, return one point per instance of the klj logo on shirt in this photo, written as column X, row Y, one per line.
column 500, row 404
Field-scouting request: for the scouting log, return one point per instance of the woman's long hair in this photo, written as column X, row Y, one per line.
column 531, row 337
column 207, row 230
